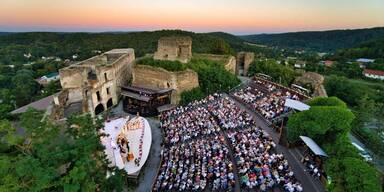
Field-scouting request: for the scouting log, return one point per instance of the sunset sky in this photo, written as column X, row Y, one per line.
column 234, row 16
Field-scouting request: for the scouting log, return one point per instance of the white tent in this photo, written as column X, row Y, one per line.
column 313, row 146
column 296, row 105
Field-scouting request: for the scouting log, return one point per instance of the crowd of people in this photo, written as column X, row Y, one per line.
column 200, row 165
column 266, row 98
column 258, row 166
column 196, row 156
column 189, row 122
column 204, row 117
column 228, row 115
column 312, row 167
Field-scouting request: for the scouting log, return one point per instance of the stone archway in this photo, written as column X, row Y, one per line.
column 99, row 108
column 109, row 103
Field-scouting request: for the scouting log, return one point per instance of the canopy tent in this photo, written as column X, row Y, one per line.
column 313, row 146
column 298, row 105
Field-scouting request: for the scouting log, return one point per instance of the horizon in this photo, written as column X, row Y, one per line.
column 230, row 16
column 138, row 31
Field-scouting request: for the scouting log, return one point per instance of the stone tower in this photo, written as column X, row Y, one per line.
column 174, row 49
column 244, row 59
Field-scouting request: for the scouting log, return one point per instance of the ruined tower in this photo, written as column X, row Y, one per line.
column 244, row 59
column 174, row 48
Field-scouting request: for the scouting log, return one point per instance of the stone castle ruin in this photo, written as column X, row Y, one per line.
column 174, row 49
column 159, row 78
column 93, row 85
column 244, row 59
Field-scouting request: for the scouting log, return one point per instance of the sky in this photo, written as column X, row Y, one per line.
column 233, row 16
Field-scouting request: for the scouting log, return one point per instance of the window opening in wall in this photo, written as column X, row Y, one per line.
column 98, row 96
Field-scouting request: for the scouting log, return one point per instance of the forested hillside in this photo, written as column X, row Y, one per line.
column 13, row 46
column 323, row 41
column 372, row 49
column 64, row 45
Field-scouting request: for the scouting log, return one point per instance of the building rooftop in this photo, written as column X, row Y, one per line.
column 41, row 104
column 365, row 60
column 107, row 58
column 120, row 51
column 373, row 72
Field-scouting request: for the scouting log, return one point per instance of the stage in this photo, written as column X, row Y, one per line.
column 137, row 132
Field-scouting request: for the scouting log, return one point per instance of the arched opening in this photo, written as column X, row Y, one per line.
column 99, row 108
column 109, row 103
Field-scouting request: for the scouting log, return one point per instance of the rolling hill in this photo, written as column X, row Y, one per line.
column 322, row 41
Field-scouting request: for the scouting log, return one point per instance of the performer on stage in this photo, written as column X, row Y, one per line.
column 123, row 143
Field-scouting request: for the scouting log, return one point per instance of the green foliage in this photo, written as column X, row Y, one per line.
column 352, row 91
column 377, row 65
column 191, row 95
column 372, row 48
column 327, row 101
column 328, row 122
column 63, row 45
column 352, row 175
column 321, row 123
column 341, row 147
column 347, row 69
column 25, row 86
column 221, row 47
column 4, row 111
column 279, row 73
column 322, row 41
column 366, row 100
column 55, row 158
column 213, row 77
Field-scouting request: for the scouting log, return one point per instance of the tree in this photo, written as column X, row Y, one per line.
column 25, row 86
column 220, row 47
column 191, row 95
column 353, row 174
column 321, row 123
column 280, row 73
column 47, row 159
column 327, row 101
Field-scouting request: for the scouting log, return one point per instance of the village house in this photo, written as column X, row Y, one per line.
column 48, row 78
column 373, row 74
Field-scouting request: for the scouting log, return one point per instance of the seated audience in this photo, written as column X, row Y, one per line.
column 197, row 166
column 258, row 167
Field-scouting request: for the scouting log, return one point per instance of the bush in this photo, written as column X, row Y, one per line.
column 213, row 77
column 277, row 71
column 327, row 101
column 352, row 174
column 191, row 95
column 322, row 123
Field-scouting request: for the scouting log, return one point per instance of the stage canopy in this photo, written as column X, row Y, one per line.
column 296, row 105
column 313, row 146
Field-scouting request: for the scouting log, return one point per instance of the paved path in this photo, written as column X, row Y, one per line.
column 292, row 155
column 148, row 175
column 232, row 157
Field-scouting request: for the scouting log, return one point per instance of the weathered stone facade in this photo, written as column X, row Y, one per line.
column 94, row 84
column 153, row 77
column 244, row 59
column 174, row 48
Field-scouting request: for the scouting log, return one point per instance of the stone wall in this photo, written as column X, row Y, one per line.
column 244, row 59
column 96, row 82
column 174, row 48
column 152, row 77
